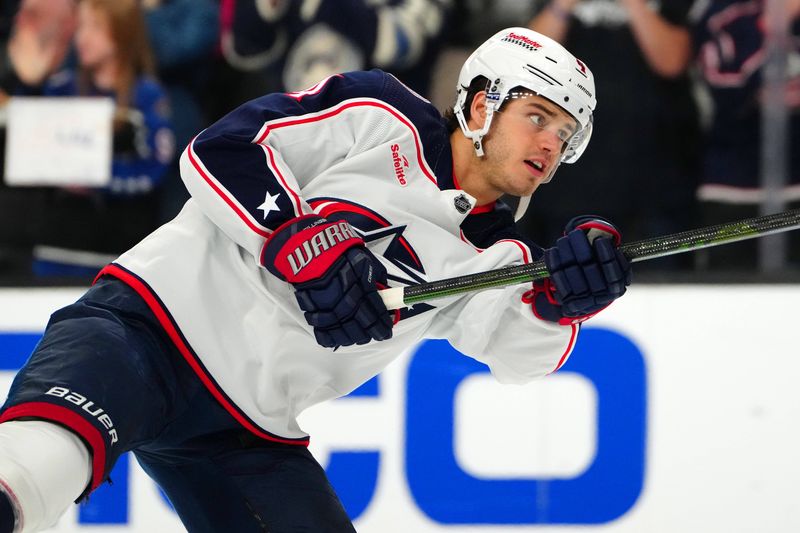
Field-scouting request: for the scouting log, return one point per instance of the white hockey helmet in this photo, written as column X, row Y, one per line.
column 519, row 57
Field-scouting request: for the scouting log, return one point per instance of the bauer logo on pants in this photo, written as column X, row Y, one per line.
column 88, row 406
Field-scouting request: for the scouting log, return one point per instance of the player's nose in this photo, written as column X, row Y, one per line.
column 548, row 141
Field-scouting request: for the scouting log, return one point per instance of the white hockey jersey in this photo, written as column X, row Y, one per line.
column 359, row 147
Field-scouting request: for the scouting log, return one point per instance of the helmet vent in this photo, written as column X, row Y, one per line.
column 542, row 74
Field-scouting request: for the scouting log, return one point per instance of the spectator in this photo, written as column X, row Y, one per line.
column 114, row 60
column 643, row 170
column 303, row 42
column 729, row 40
column 37, row 41
column 183, row 35
column 38, row 45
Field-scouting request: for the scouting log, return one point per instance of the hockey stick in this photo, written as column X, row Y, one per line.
column 677, row 243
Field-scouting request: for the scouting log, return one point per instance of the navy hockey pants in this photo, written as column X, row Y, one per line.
column 106, row 370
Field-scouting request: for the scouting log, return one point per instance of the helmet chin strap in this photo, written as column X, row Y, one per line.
column 522, row 206
column 553, row 170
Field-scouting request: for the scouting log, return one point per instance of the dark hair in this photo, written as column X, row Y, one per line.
column 477, row 85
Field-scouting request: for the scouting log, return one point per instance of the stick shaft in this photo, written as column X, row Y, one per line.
column 676, row 243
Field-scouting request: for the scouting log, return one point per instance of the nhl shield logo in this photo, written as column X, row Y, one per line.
column 461, row 204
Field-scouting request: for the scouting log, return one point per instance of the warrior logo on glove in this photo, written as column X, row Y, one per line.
column 335, row 278
column 305, row 248
column 313, row 246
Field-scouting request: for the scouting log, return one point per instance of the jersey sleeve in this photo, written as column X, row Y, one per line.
column 247, row 171
column 498, row 326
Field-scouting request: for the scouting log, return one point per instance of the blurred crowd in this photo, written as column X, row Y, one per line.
column 677, row 133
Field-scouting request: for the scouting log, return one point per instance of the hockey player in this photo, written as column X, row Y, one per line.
column 198, row 348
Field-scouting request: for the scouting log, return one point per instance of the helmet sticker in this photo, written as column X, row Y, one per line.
column 523, row 41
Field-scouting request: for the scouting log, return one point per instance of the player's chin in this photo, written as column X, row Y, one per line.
column 526, row 186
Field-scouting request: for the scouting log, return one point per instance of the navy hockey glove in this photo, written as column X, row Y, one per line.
column 335, row 278
column 587, row 272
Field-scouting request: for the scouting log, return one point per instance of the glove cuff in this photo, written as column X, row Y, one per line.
column 595, row 227
column 304, row 248
column 545, row 307
column 568, row 320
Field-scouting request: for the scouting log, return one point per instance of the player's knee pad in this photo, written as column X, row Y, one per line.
column 43, row 469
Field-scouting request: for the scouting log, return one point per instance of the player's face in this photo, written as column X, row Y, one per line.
column 93, row 38
column 524, row 144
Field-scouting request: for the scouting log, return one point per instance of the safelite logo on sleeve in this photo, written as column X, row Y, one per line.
column 400, row 163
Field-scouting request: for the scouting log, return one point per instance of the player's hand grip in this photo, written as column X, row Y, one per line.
column 335, row 279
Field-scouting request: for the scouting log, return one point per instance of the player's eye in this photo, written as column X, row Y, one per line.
column 557, row 127
column 539, row 120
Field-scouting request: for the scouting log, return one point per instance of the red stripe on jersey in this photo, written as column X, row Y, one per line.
column 177, row 339
column 359, row 103
column 298, row 204
column 72, row 420
column 193, row 159
column 464, row 238
column 524, row 249
column 485, row 208
column 337, row 207
column 314, row 89
column 570, row 345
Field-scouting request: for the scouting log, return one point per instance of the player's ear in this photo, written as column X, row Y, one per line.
column 477, row 111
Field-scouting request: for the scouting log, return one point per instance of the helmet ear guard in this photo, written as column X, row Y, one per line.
column 458, row 109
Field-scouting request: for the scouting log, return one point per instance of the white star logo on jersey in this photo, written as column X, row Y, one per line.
column 270, row 204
